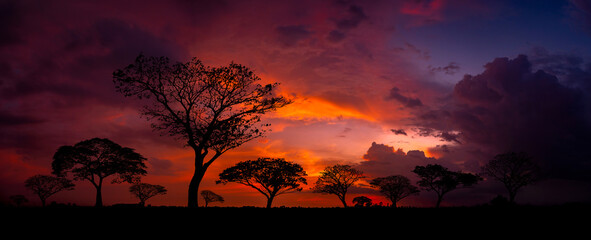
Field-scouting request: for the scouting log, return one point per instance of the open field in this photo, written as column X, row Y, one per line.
column 491, row 221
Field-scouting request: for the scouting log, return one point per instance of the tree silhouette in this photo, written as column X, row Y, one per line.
column 210, row 196
column 336, row 180
column 145, row 191
column 96, row 159
column 395, row 188
column 18, row 199
column 269, row 176
column 212, row 109
column 46, row 185
column 514, row 170
column 439, row 179
column 362, row 201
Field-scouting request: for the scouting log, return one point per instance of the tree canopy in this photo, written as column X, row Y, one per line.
column 212, row 109
column 45, row 186
column 395, row 188
column 439, row 179
column 336, row 180
column 96, row 159
column 269, row 176
column 145, row 191
column 209, row 196
column 514, row 170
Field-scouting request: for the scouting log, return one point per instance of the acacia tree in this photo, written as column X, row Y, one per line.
column 439, row 179
column 209, row 196
column 18, row 199
column 96, row 159
column 336, row 180
column 514, row 170
column 212, row 109
column 46, row 185
column 145, row 191
column 395, row 188
column 362, row 201
column 270, row 176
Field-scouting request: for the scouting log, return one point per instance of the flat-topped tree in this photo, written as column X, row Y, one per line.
column 439, row 179
column 46, row 185
column 336, row 180
column 212, row 109
column 96, row 159
column 270, row 176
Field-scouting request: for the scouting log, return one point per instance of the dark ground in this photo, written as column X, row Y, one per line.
column 564, row 222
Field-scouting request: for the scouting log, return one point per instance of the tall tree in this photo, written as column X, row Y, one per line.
column 96, row 159
column 145, row 191
column 336, row 180
column 212, row 109
column 269, row 176
column 514, row 170
column 46, row 185
column 395, row 188
column 209, row 196
column 439, row 179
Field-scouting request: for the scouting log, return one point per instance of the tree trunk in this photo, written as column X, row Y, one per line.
column 270, row 201
column 99, row 195
column 342, row 198
column 512, row 196
column 439, row 198
column 194, row 187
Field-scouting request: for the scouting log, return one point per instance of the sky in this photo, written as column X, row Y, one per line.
column 380, row 85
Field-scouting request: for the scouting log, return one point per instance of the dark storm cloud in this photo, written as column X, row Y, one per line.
column 349, row 21
column 450, row 69
column 509, row 107
column 404, row 100
column 10, row 18
column 292, row 34
column 9, row 119
column 398, row 131
column 580, row 11
column 354, row 17
column 382, row 160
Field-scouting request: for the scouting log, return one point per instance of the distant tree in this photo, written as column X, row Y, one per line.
column 395, row 188
column 95, row 159
column 514, row 170
column 145, row 191
column 210, row 196
column 269, row 176
column 362, row 201
column 19, row 199
column 336, row 180
column 439, row 179
column 46, row 185
column 212, row 109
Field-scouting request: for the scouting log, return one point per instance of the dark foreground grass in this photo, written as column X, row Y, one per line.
column 227, row 222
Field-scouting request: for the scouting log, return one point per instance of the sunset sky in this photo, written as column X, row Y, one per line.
column 381, row 85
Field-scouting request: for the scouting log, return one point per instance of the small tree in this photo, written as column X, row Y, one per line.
column 269, row 176
column 395, row 188
column 439, row 179
column 95, row 159
column 210, row 196
column 145, row 191
column 19, row 199
column 212, row 109
column 362, row 201
column 514, row 170
column 46, row 185
column 336, row 180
